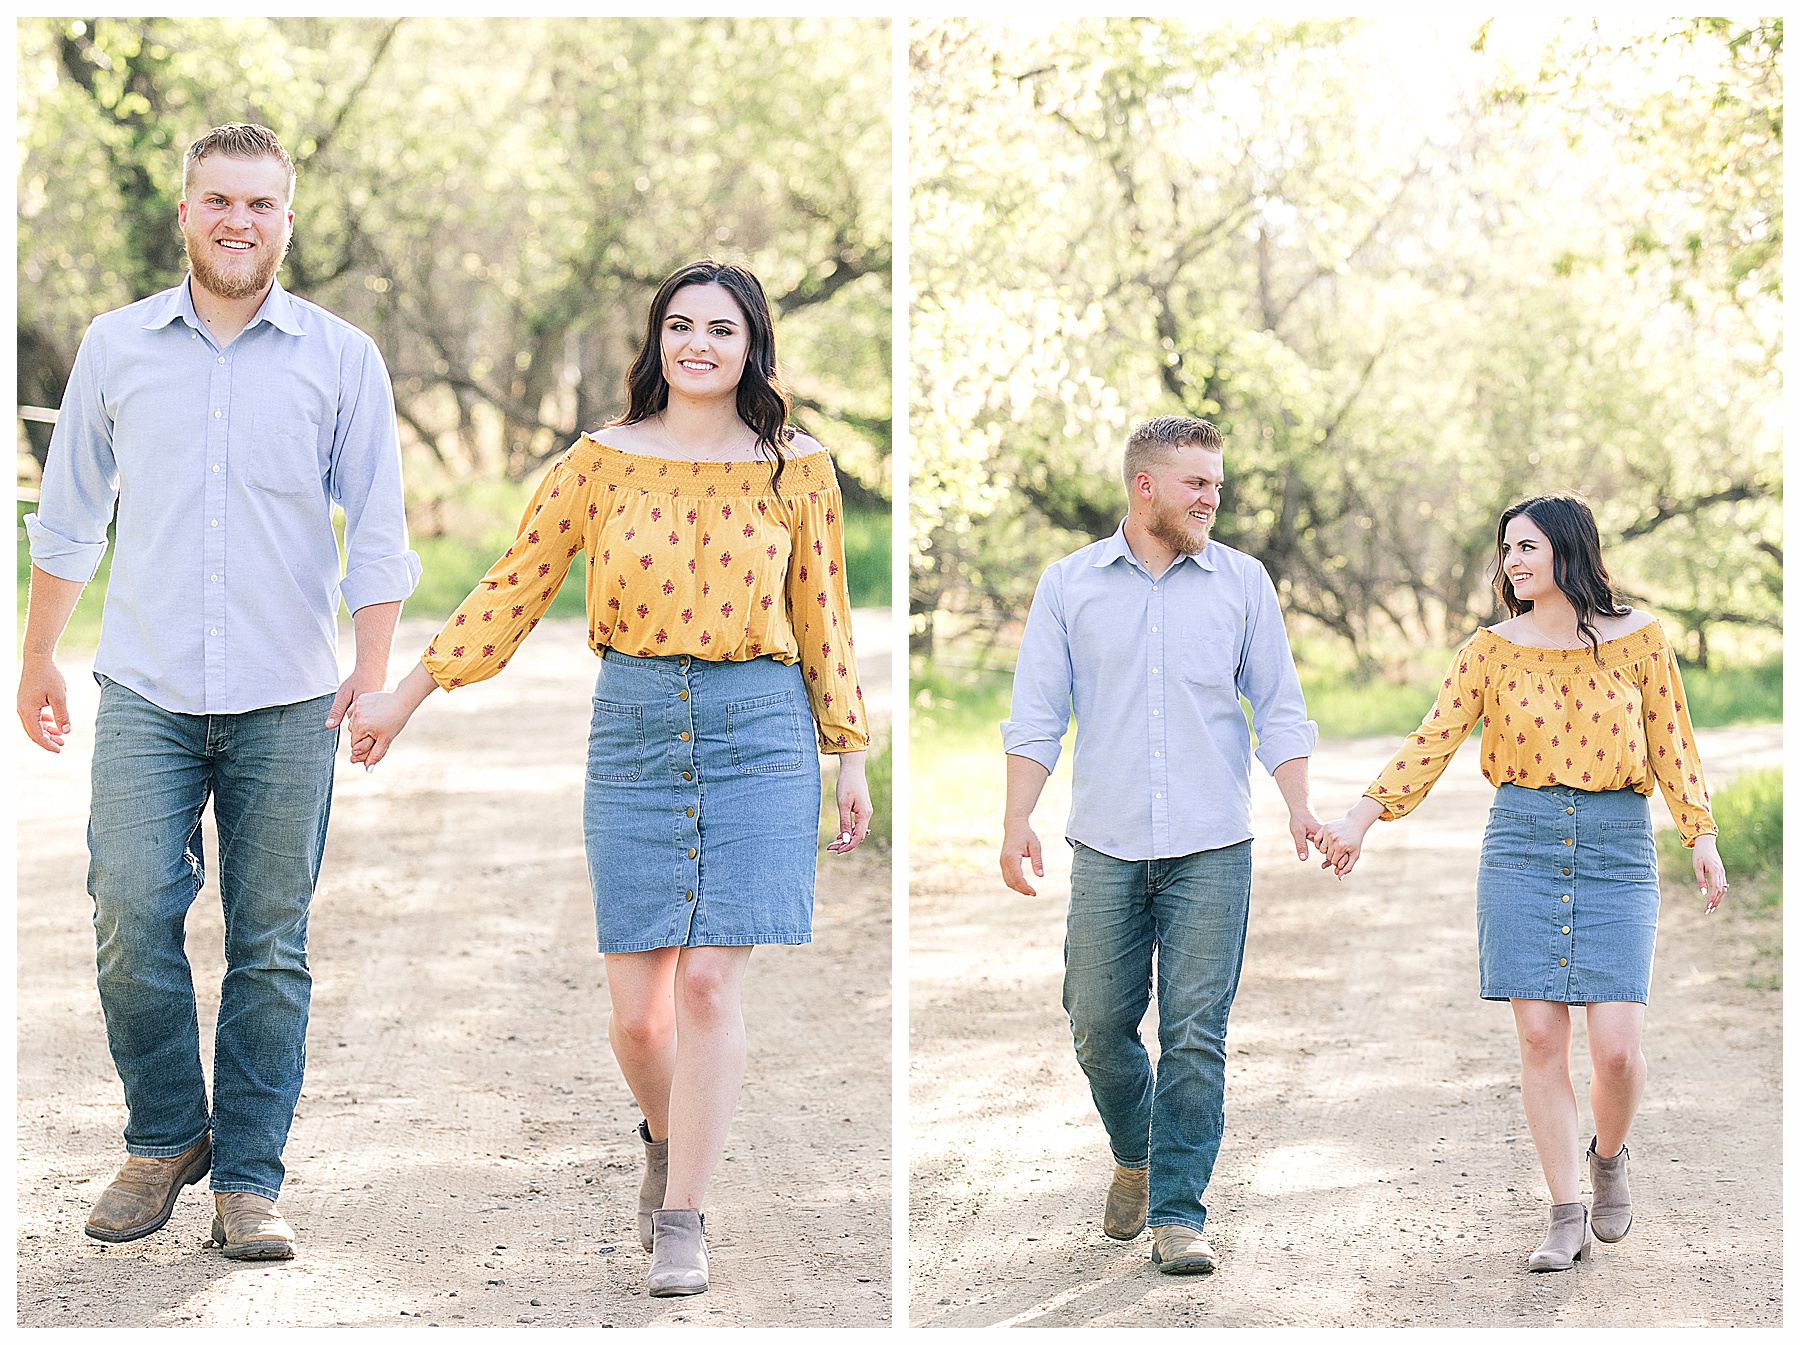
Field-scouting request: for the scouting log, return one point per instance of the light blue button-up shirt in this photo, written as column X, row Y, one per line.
column 1153, row 668
column 225, row 465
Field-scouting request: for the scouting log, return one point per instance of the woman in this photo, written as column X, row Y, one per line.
column 716, row 600
column 1583, row 709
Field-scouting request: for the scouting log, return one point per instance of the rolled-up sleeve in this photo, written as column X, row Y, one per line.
column 365, row 480
column 81, row 478
column 1043, row 679
column 1268, row 680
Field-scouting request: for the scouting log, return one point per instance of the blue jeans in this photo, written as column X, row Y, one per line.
column 1191, row 912
column 269, row 773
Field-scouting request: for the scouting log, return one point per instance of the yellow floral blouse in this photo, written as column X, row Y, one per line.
column 697, row 558
column 1557, row 716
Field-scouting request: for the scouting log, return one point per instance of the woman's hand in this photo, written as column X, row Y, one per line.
column 375, row 718
column 1710, row 870
column 855, row 811
column 1341, row 841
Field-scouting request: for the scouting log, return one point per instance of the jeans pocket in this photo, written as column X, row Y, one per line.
column 765, row 734
column 616, row 742
column 1507, row 841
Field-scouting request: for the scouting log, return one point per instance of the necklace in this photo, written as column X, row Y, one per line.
column 1531, row 616
column 687, row 454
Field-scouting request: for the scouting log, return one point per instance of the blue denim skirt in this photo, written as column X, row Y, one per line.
column 1567, row 895
column 701, row 812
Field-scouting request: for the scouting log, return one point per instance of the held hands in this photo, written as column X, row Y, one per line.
column 1306, row 829
column 374, row 720
column 1341, row 841
column 1710, row 871
column 855, row 809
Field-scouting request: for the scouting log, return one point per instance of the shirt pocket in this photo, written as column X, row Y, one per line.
column 1205, row 657
column 1507, row 842
column 284, row 456
column 616, row 743
column 766, row 735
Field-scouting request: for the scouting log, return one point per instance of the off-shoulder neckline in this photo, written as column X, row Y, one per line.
column 1648, row 634
column 819, row 452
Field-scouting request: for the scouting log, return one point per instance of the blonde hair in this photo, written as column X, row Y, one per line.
column 236, row 140
column 1151, row 442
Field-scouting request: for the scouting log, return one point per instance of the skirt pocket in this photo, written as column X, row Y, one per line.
column 616, row 742
column 1628, row 851
column 766, row 735
column 1507, row 841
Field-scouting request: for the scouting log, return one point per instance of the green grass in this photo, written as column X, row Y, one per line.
column 1748, row 812
column 1720, row 696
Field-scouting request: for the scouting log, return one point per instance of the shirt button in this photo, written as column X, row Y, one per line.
column 684, row 735
column 1159, row 796
column 214, row 578
column 1153, row 629
column 1159, row 754
column 690, row 895
column 1156, row 712
column 217, row 414
column 684, row 695
column 213, row 631
column 215, row 523
column 1568, row 840
column 1565, row 873
column 217, row 468
column 221, row 359
column 690, row 813
column 1565, row 929
column 1565, row 898
column 1571, row 812
column 689, row 775
column 1562, row 961
column 692, row 852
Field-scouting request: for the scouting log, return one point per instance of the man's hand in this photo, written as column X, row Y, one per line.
column 43, row 703
column 359, row 682
column 1021, row 844
column 1304, row 827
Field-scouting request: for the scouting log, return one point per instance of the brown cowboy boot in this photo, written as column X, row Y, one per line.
column 1178, row 1250
column 248, row 1227
column 142, row 1196
column 1127, row 1203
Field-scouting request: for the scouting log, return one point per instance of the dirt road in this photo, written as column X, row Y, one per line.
column 1376, row 1168
column 464, row 1153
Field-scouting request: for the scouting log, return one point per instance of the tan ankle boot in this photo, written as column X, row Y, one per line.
column 655, row 1184
column 248, row 1227
column 1127, row 1203
column 679, row 1264
column 141, row 1198
column 1568, row 1240
column 1611, row 1218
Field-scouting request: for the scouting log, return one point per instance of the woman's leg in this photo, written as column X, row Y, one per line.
column 1615, row 1044
column 709, row 1067
column 642, row 1033
column 1549, row 1096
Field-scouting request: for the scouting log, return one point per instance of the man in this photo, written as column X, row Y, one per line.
column 224, row 417
column 1151, row 636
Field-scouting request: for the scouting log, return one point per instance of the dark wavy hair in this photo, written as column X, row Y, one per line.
column 1568, row 523
column 762, row 402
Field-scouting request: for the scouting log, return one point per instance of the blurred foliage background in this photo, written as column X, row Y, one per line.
column 494, row 201
column 1414, row 273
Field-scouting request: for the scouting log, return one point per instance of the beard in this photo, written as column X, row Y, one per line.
column 1175, row 530
column 240, row 282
